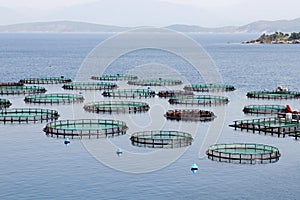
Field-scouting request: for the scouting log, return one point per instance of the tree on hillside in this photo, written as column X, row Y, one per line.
column 294, row 36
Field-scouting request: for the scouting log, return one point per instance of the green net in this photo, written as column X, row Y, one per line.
column 209, row 87
column 46, row 80
column 85, row 128
column 4, row 103
column 161, row 139
column 14, row 90
column 53, row 98
column 129, row 93
column 243, row 153
column 264, row 109
column 114, row 77
column 117, row 106
column 174, row 93
column 199, row 99
column 155, row 82
column 89, row 86
column 27, row 114
column 273, row 126
column 273, row 94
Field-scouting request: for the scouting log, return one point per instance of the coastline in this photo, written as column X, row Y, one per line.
column 276, row 38
column 272, row 42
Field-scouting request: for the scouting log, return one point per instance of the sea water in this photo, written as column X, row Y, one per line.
column 34, row 166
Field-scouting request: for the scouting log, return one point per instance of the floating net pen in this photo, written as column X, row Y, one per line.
column 174, row 93
column 114, row 77
column 209, row 88
column 85, row 128
column 161, row 139
column 273, row 126
column 273, row 94
column 190, row 115
column 46, row 80
column 129, row 93
column 54, row 98
column 199, row 100
column 243, row 153
column 89, row 86
column 264, row 109
column 117, row 106
column 155, row 82
column 5, row 103
column 18, row 90
column 27, row 115
column 10, row 84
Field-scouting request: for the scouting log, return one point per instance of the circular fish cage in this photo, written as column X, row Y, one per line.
column 161, row 139
column 244, row 153
column 114, row 77
column 155, row 82
column 18, row 90
column 54, row 98
column 85, row 128
column 273, row 94
column 264, row 109
column 129, row 93
column 209, row 88
column 4, row 103
column 281, row 125
column 117, row 106
column 199, row 100
column 89, row 86
column 46, row 80
column 174, row 93
column 27, row 115
column 190, row 115
column 10, row 84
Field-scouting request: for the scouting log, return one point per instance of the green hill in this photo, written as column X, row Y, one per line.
column 277, row 38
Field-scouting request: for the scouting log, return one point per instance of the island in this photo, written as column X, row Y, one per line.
column 276, row 38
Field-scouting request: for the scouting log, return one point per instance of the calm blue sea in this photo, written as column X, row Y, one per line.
column 34, row 166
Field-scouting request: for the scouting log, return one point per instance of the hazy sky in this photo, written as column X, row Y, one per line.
column 210, row 13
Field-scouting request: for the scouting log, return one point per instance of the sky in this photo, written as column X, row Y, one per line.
column 207, row 13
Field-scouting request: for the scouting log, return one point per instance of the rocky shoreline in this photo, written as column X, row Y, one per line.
column 272, row 42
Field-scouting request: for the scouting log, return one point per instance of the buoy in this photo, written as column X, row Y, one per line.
column 194, row 168
column 119, row 151
column 67, row 141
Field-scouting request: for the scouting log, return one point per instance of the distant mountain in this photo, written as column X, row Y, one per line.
column 271, row 26
column 70, row 26
column 199, row 29
column 61, row 26
column 255, row 27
